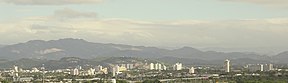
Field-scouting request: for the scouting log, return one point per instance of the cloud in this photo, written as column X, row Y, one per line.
column 70, row 13
column 50, row 2
column 65, row 14
column 196, row 33
column 274, row 3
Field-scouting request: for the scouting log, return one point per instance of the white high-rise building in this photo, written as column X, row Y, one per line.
column 113, row 71
column 131, row 66
column 192, row 70
column 91, row 71
column 159, row 66
column 177, row 66
column 227, row 65
column 117, row 69
column 260, row 67
column 268, row 67
column 255, row 67
column 151, row 66
column 271, row 67
column 156, row 66
column 74, row 72
column 164, row 67
column 16, row 70
column 127, row 66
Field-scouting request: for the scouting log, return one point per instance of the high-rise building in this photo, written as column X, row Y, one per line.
column 131, row 66
column 15, row 73
column 151, row 66
column 91, row 71
column 105, row 70
column 177, row 66
column 164, row 67
column 74, row 71
column 113, row 71
column 255, row 67
column 192, row 70
column 159, row 66
column 260, row 67
column 227, row 65
column 16, row 70
column 117, row 69
column 156, row 66
column 271, row 67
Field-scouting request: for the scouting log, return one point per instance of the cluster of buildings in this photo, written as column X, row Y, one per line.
column 91, row 71
column 117, row 69
column 14, row 72
column 157, row 66
column 250, row 67
column 259, row 67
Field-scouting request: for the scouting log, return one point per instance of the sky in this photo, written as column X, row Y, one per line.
column 223, row 25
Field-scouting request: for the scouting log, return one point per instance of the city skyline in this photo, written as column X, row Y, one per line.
column 221, row 25
column 143, row 41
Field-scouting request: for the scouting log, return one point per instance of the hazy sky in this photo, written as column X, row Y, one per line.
column 244, row 25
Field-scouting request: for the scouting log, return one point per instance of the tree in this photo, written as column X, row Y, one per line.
column 122, row 81
column 5, row 81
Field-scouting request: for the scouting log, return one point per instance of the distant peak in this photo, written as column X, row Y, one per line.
column 64, row 39
column 186, row 47
column 36, row 41
column 71, row 39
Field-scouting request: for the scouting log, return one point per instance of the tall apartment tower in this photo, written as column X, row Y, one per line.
column 192, row 70
column 74, row 71
column 227, row 65
column 151, row 66
column 271, row 67
column 177, row 66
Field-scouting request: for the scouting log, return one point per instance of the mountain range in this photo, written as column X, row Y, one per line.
column 69, row 47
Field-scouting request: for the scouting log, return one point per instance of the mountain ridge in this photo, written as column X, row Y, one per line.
column 69, row 47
